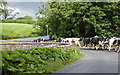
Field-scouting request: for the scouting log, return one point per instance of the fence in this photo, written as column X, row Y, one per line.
column 28, row 45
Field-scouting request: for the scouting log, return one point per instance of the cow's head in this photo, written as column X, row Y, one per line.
column 73, row 41
column 66, row 41
column 114, row 38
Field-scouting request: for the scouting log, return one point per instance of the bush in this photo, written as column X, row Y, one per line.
column 37, row 60
column 18, row 21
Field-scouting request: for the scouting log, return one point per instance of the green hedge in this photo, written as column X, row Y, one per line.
column 19, row 21
column 37, row 60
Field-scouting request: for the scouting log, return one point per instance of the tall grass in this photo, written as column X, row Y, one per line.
column 17, row 30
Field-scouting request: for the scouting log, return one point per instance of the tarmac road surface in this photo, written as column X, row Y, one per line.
column 32, row 38
column 94, row 62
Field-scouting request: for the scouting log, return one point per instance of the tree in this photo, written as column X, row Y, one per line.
column 20, row 18
column 41, row 26
column 82, row 19
column 25, row 18
column 28, row 18
column 7, row 11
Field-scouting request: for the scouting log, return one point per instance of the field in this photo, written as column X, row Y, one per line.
column 17, row 30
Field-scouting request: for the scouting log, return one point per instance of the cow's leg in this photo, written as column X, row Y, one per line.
column 90, row 46
column 95, row 46
column 115, row 48
column 84, row 44
column 109, row 47
column 118, row 48
column 79, row 44
column 100, row 46
column 103, row 46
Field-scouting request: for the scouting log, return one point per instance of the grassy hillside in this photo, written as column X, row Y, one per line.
column 17, row 30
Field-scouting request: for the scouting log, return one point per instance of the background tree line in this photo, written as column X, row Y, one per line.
column 24, row 20
column 80, row 19
column 8, row 15
column 7, row 12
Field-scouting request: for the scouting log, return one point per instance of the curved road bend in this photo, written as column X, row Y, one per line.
column 94, row 62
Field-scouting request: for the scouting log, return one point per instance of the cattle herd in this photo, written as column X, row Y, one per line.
column 103, row 42
column 95, row 42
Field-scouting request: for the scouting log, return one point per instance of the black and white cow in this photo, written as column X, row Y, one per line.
column 40, row 40
column 105, row 42
column 115, row 42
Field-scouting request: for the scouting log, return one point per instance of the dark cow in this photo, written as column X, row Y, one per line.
column 92, row 41
column 39, row 40
column 60, row 40
column 86, row 41
column 96, row 40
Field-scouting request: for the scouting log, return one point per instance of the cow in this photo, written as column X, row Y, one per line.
column 40, row 40
column 71, row 41
column 97, row 40
column 92, row 41
column 86, row 41
column 105, row 42
column 115, row 42
column 60, row 40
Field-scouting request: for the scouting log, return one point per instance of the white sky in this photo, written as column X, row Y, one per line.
column 25, row 8
column 61, row 0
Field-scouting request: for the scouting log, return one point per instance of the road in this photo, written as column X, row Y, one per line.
column 94, row 62
column 32, row 38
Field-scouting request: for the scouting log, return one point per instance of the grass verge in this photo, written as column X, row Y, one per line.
column 38, row 60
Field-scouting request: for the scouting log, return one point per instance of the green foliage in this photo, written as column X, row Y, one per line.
column 28, row 18
column 81, row 19
column 41, row 26
column 37, row 60
column 16, row 30
column 18, row 21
